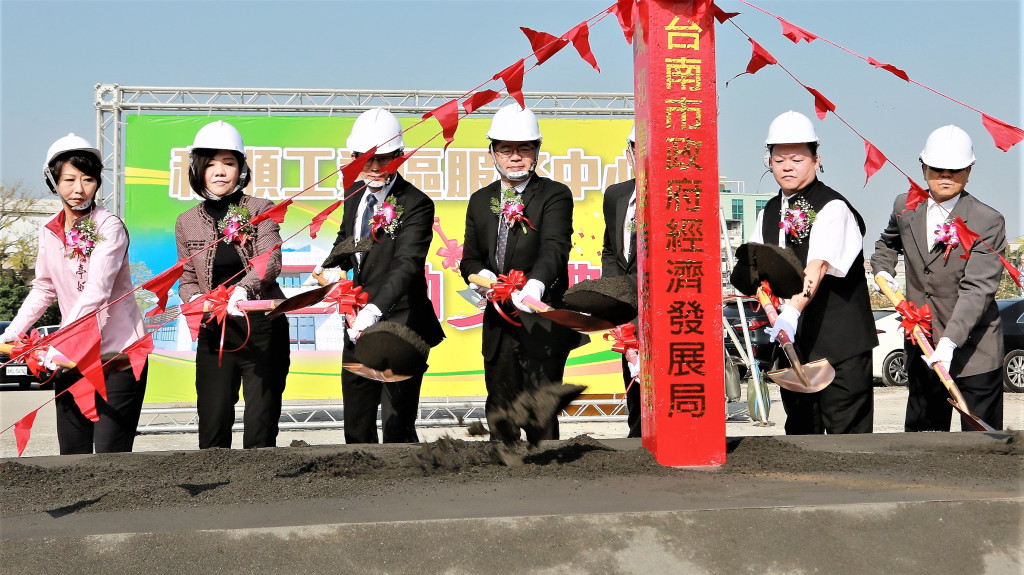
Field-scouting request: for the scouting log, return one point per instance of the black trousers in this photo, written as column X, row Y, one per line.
column 260, row 369
column 928, row 409
column 119, row 414
column 846, row 406
column 510, row 373
column 399, row 403
column 632, row 401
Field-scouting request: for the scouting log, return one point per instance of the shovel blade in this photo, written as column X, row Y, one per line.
column 369, row 373
column 971, row 417
column 819, row 374
column 577, row 321
column 302, row 300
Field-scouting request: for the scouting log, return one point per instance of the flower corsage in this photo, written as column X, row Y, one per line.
column 945, row 235
column 511, row 209
column 236, row 225
column 387, row 216
column 81, row 239
column 798, row 220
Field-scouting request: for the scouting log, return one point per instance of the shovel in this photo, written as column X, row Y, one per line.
column 369, row 373
column 113, row 361
column 802, row 378
column 957, row 399
column 572, row 319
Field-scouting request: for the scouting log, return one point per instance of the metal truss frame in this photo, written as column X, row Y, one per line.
column 113, row 102
column 448, row 413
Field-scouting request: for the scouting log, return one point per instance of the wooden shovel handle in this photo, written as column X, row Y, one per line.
column 59, row 360
column 896, row 298
column 253, row 305
column 529, row 301
column 773, row 315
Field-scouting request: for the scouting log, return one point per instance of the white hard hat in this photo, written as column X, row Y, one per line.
column 70, row 143
column 948, row 147
column 514, row 124
column 375, row 127
column 791, row 128
column 219, row 135
column 632, row 135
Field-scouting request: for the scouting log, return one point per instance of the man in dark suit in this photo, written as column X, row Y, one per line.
column 520, row 222
column 391, row 273
column 618, row 258
column 831, row 318
column 960, row 292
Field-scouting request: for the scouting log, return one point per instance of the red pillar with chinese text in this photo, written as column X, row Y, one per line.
column 679, row 265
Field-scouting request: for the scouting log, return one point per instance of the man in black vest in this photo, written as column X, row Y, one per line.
column 520, row 222
column 832, row 316
column 391, row 273
column 618, row 258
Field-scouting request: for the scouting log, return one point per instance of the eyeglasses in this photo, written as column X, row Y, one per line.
column 940, row 170
column 520, row 150
column 382, row 159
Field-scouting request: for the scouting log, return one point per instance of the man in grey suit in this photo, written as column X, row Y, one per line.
column 960, row 292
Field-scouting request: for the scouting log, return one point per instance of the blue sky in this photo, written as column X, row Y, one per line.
column 54, row 52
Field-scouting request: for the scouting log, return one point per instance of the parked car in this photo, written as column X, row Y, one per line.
column 17, row 372
column 888, row 359
column 766, row 352
column 1012, row 313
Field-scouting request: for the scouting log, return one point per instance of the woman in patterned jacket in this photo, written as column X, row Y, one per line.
column 248, row 350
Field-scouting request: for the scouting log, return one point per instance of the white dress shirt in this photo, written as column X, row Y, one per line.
column 627, row 234
column 937, row 215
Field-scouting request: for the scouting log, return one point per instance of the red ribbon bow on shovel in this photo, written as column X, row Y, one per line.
column 217, row 307
column 915, row 317
column 348, row 297
column 31, row 346
column 625, row 338
column 501, row 292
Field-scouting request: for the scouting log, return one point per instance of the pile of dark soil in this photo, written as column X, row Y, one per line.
column 113, row 482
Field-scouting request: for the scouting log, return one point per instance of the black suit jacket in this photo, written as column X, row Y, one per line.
column 613, row 261
column 392, row 271
column 542, row 254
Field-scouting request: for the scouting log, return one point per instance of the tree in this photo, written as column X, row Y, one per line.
column 18, row 251
column 1007, row 288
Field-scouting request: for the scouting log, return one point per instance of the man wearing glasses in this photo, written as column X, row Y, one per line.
column 399, row 218
column 831, row 318
column 520, row 222
column 618, row 258
column 966, row 330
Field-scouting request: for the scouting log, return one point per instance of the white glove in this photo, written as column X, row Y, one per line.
column 534, row 289
column 481, row 289
column 364, row 319
column 331, row 276
column 195, row 297
column 48, row 362
column 236, row 296
column 9, row 336
column 787, row 320
column 943, row 353
column 311, row 281
column 633, row 361
column 889, row 280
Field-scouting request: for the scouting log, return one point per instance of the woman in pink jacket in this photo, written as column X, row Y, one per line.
column 83, row 264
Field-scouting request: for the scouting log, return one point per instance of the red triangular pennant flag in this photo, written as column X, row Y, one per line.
column 623, row 10
column 1014, row 274
column 350, row 173
column 23, row 430
column 80, row 342
column 85, row 396
column 890, row 68
column 874, row 162
column 447, row 115
column 965, row 235
column 318, row 220
column 513, row 78
column 796, row 33
column 275, row 213
column 259, row 263
column 479, row 100
column 1005, row 135
column 544, row 45
column 821, row 104
column 722, row 15
column 393, row 165
column 580, row 38
column 758, row 59
column 159, row 285
column 193, row 312
column 138, row 352
column 915, row 196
